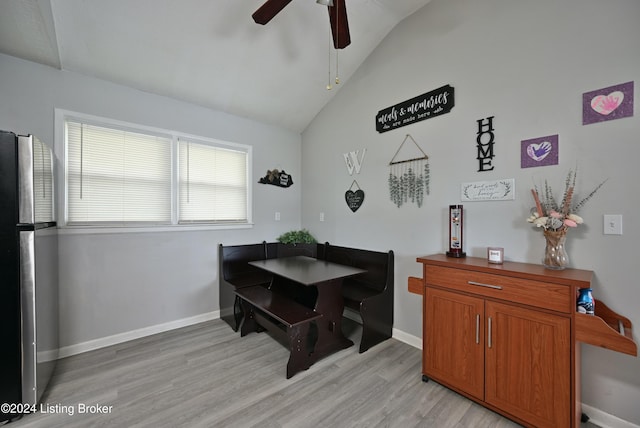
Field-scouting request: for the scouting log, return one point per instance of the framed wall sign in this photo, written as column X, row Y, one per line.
column 494, row 190
column 423, row 107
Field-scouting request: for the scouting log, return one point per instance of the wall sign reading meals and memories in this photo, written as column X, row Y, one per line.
column 425, row 106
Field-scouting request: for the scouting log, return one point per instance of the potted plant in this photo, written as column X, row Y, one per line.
column 297, row 243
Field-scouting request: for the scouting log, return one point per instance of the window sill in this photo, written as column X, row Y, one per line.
column 95, row 230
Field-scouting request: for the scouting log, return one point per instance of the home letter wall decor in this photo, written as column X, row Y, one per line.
column 484, row 143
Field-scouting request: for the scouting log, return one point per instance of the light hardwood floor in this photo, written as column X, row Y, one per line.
column 208, row 376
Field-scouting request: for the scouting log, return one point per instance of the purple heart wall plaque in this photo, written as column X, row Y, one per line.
column 540, row 151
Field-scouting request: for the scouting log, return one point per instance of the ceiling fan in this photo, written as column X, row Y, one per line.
column 337, row 18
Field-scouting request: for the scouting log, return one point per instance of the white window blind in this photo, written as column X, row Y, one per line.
column 212, row 183
column 42, row 182
column 116, row 176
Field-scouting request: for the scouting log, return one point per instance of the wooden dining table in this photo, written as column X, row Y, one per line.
column 327, row 278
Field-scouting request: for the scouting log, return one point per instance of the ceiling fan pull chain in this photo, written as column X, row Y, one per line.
column 329, row 79
column 338, row 43
column 337, row 78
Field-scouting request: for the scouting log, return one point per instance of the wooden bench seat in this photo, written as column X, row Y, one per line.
column 370, row 294
column 283, row 317
column 235, row 272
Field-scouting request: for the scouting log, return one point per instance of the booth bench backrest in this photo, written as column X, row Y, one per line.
column 376, row 263
column 234, row 260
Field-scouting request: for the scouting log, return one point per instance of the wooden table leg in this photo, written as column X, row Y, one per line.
column 249, row 323
column 331, row 305
column 300, row 354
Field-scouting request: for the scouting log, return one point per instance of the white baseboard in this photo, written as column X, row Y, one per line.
column 400, row 335
column 605, row 420
column 407, row 338
column 91, row 345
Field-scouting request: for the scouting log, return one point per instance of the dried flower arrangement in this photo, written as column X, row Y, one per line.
column 550, row 215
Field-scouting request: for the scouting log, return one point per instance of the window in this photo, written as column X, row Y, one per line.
column 213, row 184
column 125, row 175
column 116, row 176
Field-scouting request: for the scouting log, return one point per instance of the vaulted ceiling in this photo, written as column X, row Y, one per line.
column 206, row 52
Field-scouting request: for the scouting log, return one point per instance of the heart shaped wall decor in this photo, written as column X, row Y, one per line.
column 605, row 104
column 354, row 199
column 539, row 151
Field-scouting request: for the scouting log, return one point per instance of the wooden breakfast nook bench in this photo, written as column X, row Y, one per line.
column 235, row 271
column 303, row 303
column 283, row 317
column 370, row 294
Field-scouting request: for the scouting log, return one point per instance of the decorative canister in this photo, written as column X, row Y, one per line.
column 585, row 301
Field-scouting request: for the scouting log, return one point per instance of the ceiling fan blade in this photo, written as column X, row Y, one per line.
column 339, row 24
column 268, row 10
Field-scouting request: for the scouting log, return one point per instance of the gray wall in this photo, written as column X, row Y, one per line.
column 115, row 283
column 528, row 64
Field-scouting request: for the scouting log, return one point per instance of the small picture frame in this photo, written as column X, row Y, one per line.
column 495, row 255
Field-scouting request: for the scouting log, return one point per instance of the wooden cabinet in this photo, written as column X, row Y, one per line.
column 453, row 340
column 527, row 368
column 506, row 336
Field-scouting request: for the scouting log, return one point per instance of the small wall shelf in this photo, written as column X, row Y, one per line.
column 606, row 329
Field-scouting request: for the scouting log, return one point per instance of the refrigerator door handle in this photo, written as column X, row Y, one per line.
column 26, row 209
column 28, row 303
column 35, row 181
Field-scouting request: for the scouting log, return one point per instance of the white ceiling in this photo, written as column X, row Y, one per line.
column 207, row 52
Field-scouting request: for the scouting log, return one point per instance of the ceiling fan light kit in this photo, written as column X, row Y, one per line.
column 325, row 2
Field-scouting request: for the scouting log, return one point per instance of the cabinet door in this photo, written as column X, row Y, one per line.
column 453, row 336
column 528, row 364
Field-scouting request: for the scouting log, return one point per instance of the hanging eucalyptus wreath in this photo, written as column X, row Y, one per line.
column 409, row 179
column 405, row 185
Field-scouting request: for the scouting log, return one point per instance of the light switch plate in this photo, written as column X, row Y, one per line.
column 612, row 224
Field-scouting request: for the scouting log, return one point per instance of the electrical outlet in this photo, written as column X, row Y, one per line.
column 277, row 216
column 612, row 224
column 321, row 216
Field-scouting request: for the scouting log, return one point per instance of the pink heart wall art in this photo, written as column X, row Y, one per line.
column 610, row 103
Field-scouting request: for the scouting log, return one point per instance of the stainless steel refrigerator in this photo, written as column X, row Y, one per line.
column 28, row 271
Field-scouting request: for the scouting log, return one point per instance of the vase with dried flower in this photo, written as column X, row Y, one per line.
column 556, row 219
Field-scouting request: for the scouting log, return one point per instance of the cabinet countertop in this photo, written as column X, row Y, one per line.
column 578, row 277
